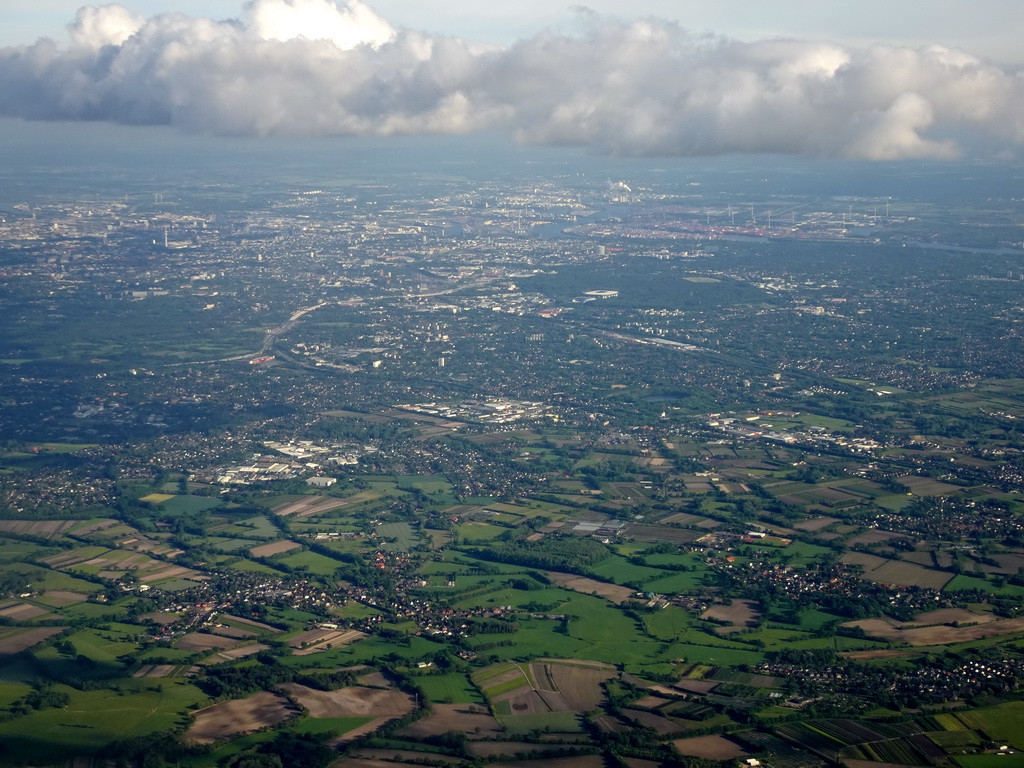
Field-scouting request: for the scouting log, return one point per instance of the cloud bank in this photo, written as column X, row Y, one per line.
column 320, row 67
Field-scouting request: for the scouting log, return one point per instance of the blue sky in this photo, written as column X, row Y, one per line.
column 988, row 28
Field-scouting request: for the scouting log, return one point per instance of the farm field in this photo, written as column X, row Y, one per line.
column 710, row 748
column 240, row 716
column 681, row 602
column 317, row 640
column 956, row 630
column 451, row 688
column 350, row 702
column 613, row 592
column 543, row 694
column 43, row 529
column 472, row 720
column 1000, row 723
column 313, row 561
column 312, row 506
column 187, row 504
column 201, row 641
column 93, row 718
column 883, row 570
column 737, row 615
column 17, row 639
column 404, row 450
column 275, row 548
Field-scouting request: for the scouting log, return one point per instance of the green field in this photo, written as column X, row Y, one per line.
column 1000, row 723
column 679, row 582
column 453, row 687
column 97, row 610
column 479, row 532
column 619, row 570
column 46, row 579
column 990, row 761
column 259, row 527
column 668, row 623
column 187, row 504
column 315, row 562
column 249, row 566
column 20, row 551
column 327, row 725
column 556, row 722
column 401, row 536
column 225, row 752
column 428, row 484
column 94, row 718
column 231, row 545
column 972, row 582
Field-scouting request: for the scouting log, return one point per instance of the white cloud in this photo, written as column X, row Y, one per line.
column 346, row 26
column 109, row 25
column 319, row 67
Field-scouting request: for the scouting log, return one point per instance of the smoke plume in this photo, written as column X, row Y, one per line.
column 320, row 67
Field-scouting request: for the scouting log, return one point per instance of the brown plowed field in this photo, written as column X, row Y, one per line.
column 465, row 718
column 238, row 634
column 373, row 680
column 16, row 642
column 23, row 612
column 99, row 525
column 612, row 592
column 651, row 702
column 61, row 561
column 874, row 537
column 313, row 505
column 878, row 653
column 61, row 599
column 896, row 572
column 407, row 755
column 611, row 724
column 250, row 622
column 200, row 641
column 555, row 701
column 709, row 747
column 235, row 653
column 941, row 634
column 926, row 486
column 230, row 718
column 275, row 548
column 662, row 725
column 696, row 686
column 739, row 614
column 587, row 761
column 950, row 616
column 44, row 529
column 500, row 748
column 155, row 670
column 350, row 702
column 318, row 639
column 637, row 762
column 816, row 524
column 525, row 702
column 165, row 573
column 581, row 686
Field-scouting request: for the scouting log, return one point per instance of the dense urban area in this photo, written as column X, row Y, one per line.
column 523, row 465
